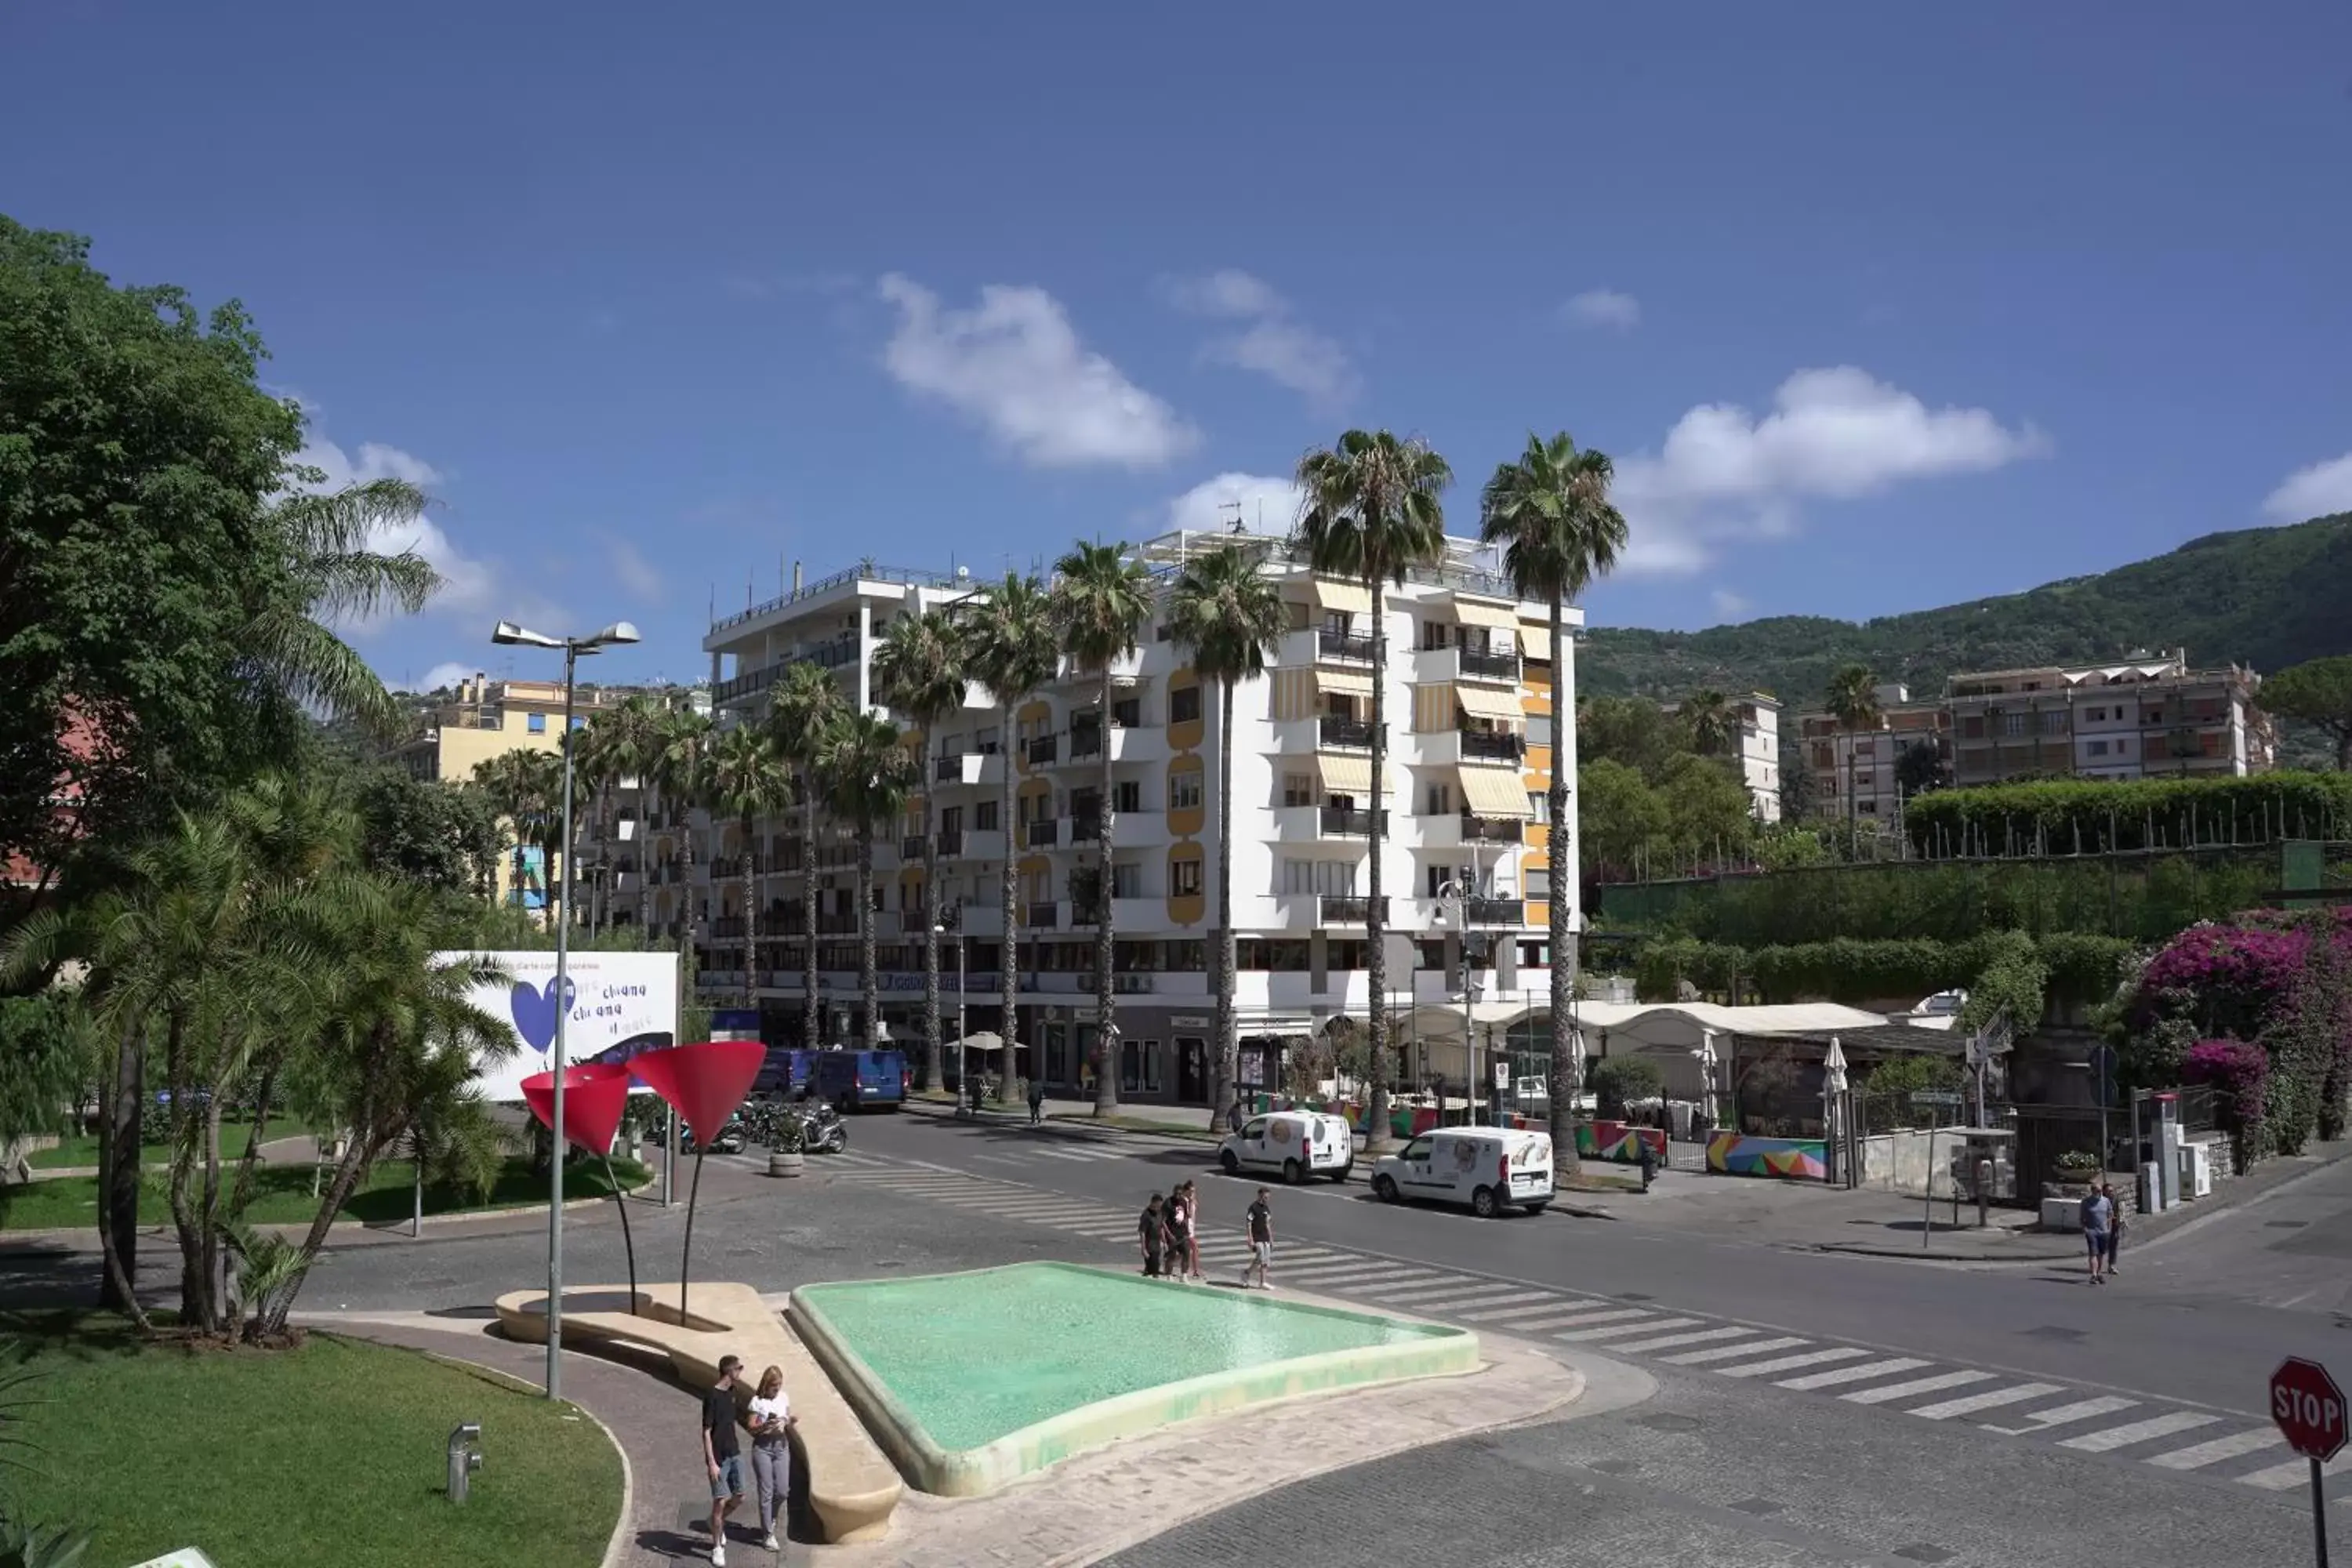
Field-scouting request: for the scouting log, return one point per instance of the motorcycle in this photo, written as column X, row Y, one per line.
column 729, row 1140
column 823, row 1131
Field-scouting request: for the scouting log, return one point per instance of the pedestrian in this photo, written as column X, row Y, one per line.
column 2115, row 1226
column 1172, row 1216
column 1191, row 1239
column 723, row 1454
column 1153, row 1233
column 771, row 1452
column 1260, row 1220
column 1037, row 1101
column 2098, row 1210
column 1233, row 1118
column 1649, row 1158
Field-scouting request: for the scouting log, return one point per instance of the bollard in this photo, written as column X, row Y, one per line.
column 1984, row 1186
column 464, row 1458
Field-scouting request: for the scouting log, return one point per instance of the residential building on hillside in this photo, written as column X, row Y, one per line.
column 1760, row 752
column 2148, row 715
column 1479, row 709
column 1863, row 762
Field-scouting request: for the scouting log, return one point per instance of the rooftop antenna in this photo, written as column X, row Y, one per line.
column 1235, row 507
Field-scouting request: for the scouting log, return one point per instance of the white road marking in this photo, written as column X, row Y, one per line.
column 1918, row 1385
column 1792, row 1362
column 2138, row 1432
column 1837, row 1376
column 1508, row 1314
column 1618, row 1331
column 1643, row 1347
column 2215, row 1450
column 2061, row 1415
column 1733, row 1352
column 1970, row 1403
column 1589, row 1318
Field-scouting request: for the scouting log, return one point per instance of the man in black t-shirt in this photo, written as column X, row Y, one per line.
column 722, row 1453
column 1261, row 1241
column 1151, row 1229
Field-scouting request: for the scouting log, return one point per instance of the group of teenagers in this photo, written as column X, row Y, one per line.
column 1169, row 1233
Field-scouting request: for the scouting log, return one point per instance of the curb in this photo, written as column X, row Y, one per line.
column 12, row 1240
column 1864, row 1249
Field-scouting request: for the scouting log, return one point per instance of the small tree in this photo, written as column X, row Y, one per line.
column 1617, row 1081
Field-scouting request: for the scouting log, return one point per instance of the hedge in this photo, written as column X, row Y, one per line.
column 2001, row 967
column 2078, row 817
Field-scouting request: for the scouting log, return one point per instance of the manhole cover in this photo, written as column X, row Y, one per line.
column 2284, row 1224
column 1922, row 1553
column 1668, row 1422
column 2054, row 1331
column 1758, row 1506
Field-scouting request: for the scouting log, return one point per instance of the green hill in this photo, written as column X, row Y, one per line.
column 2265, row 596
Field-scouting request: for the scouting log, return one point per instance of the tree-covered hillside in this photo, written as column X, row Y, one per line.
column 2265, row 596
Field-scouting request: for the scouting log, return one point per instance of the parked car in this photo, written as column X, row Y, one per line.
column 1298, row 1143
column 857, row 1080
column 1484, row 1169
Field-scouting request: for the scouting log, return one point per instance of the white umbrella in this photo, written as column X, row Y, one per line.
column 1576, row 1059
column 1706, row 1059
column 1833, row 1069
column 987, row 1042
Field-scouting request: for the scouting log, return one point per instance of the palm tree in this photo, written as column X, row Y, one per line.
column 596, row 768
column 680, row 771
column 629, row 746
column 512, row 780
column 324, row 543
column 1008, row 641
column 1228, row 614
column 918, row 670
column 802, row 709
column 749, row 781
column 1708, row 718
column 867, row 776
column 1853, row 703
column 1371, row 512
column 1101, row 599
column 1551, row 513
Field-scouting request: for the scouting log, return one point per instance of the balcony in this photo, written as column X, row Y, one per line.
column 1496, row 912
column 1459, row 830
column 1127, row 914
column 1338, row 735
column 1042, row 834
column 1133, row 983
column 1084, row 829
column 836, row 925
column 1347, row 822
column 1127, row 744
column 1347, row 909
column 1042, row 915
column 1044, row 749
column 983, row 768
column 1354, row 647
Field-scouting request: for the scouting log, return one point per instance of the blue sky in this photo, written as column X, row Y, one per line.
column 1876, row 306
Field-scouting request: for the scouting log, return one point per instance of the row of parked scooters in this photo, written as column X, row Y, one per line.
column 763, row 1122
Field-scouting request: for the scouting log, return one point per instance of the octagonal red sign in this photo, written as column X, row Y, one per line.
column 2307, row 1408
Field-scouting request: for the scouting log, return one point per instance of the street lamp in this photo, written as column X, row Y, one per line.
column 1459, row 895
column 942, row 929
column 511, row 635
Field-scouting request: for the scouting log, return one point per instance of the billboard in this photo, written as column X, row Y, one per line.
column 621, row 1004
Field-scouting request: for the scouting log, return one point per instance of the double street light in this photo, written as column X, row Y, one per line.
column 512, row 636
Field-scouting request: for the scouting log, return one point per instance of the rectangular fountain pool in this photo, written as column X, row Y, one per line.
column 973, row 1380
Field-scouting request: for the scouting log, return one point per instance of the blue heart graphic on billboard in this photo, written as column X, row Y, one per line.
column 535, row 1011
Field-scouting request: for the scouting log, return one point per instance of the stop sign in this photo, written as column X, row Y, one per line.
column 2307, row 1408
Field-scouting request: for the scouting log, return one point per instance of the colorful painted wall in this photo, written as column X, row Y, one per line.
column 1618, row 1142
column 1737, row 1154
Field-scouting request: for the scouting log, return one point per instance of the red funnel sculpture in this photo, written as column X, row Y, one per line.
column 703, row 1082
column 595, row 1095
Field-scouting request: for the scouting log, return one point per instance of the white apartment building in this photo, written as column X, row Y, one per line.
column 1479, row 709
column 1760, row 753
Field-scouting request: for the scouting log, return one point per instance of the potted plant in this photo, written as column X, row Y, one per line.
column 2074, row 1172
column 785, row 1156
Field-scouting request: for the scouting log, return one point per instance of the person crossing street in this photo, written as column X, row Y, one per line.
column 1259, row 1222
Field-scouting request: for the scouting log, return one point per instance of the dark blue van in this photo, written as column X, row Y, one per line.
column 784, row 1071
column 858, row 1080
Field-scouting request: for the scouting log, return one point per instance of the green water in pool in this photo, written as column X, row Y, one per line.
column 973, row 1357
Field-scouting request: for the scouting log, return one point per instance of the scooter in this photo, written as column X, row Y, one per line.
column 823, row 1131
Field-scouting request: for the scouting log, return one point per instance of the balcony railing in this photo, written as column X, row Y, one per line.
column 1347, row 909
column 1329, row 644
column 1492, row 829
column 1045, row 915
column 948, row 768
column 1349, row 821
column 1087, row 741
column 836, row 925
column 1351, row 733
column 1044, row 748
column 1131, row 983
column 949, row 840
column 1479, row 661
column 1085, row 828
column 1042, row 833
column 910, row 848
column 1496, row 912
column 1496, row 744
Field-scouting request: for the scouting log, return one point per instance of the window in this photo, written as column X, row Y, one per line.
column 1126, row 796
column 1434, row 634
column 580, row 722
column 1184, row 791
column 2054, row 722
column 1184, row 705
column 951, row 820
column 1298, row 789
column 536, row 723
column 2098, row 748
column 983, row 816
column 1298, row 876
column 1539, row 803
column 2095, row 716
column 2153, row 717
column 1125, row 882
column 1539, row 729
column 1432, row 878
column 1128, row 712
column 1438, row 800
column 2013, row 723
column 1538, row 881
column 1184, row 878
column 989, row 745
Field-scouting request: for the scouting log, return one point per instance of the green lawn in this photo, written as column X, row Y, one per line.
column 282, row 1196
column 73, row 1152
column 330, row 1456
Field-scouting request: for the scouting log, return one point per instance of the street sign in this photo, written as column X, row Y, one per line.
column 1502, row 1075
column 1935, row 1097
column 2103, row 1073
column 2307, row 1408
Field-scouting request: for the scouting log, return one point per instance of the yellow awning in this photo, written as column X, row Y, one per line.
column 1349, row 598
column 1536, row 641
column 1472, row 612
column 1344, row 775
column 1495, row 794
column 1343, row 683
column 1497, row 707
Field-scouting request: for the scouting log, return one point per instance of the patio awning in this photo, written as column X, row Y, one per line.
column 1535, row 640
column 1492, row 794
column 1349, row 598
column 1343, row 683
column 1344, row 775
column 1495, row 707
column 1474, row 612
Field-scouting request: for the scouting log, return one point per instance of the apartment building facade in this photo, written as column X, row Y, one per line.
column 1758, row 754
column 1478, row 708
column 1854, row 770
column 2150, row 715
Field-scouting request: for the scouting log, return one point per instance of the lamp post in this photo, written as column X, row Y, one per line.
column 511, row 635
column 1455, row 893
column 944, row 926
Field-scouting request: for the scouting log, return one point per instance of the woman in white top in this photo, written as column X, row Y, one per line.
column 771, row 1453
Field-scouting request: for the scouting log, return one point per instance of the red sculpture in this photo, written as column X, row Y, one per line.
column 706, row 1082
column 595, row 1095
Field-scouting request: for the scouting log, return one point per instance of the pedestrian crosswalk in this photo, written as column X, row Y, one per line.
column 2150, row 1431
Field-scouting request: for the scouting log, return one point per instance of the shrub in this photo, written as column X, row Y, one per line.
column 1615, row 1080
column 2073, row 817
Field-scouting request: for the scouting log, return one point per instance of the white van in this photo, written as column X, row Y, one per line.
column 1488, row 1169
column 1298, row 1143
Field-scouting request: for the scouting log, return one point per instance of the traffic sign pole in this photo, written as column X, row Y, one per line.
column 2307, row 1408
column 2318, row 1514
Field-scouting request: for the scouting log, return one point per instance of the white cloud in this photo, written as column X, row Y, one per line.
column 1274, row 343
column 1267, row 504
column 2316, row 491
column 1013, row 365
column 445, row 675
column 468, row 583
column 1731, row 606
column 634, row 571
column 1603, row 307
column 1837, row 434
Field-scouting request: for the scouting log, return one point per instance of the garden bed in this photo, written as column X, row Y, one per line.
column 282, row 1196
